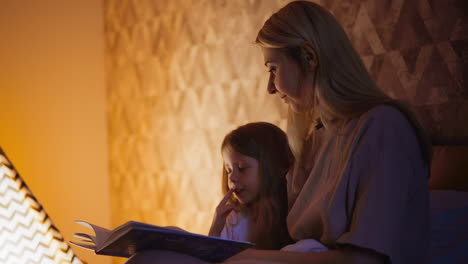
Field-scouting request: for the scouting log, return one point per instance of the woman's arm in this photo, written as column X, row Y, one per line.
column 347, row 255
column 163, row 257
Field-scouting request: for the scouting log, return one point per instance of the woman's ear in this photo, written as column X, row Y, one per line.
column 309, row 55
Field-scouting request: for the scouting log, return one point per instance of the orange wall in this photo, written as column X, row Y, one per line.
column 52, row 107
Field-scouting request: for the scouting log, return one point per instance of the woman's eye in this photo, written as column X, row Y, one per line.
column 272, row 70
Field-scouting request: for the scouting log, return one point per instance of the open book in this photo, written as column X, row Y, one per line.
column 133, row 237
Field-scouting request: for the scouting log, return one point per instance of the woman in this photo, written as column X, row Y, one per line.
column 360, row 184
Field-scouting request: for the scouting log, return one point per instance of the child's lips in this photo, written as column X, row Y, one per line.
column 238, row 191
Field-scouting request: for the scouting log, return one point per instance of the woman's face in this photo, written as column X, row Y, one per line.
column 287, row 79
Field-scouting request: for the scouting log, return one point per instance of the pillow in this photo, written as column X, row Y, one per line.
column 449, row 231
column 449, row 169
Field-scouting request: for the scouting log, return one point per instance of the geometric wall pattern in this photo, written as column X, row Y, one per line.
column 182, row 73
column 27, row 234
column 417, row 51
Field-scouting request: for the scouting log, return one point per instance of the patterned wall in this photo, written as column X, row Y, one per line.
column 182, row 73
column 417, row 51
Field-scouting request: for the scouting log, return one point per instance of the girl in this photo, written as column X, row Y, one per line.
column 256, row 159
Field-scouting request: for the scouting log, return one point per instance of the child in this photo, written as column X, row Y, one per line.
column 256, row 159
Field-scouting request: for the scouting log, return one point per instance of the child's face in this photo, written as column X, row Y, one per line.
column 243, row 176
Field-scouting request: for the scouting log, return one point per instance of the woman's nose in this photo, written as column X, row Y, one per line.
column 271, row 85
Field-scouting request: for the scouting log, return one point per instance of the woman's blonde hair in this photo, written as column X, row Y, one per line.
column 346, row 88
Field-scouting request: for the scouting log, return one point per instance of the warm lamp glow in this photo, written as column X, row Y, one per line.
column 27, row 234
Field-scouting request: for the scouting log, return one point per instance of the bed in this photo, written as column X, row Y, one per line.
column 449, row 205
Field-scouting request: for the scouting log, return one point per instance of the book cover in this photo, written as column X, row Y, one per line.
column 134, row 236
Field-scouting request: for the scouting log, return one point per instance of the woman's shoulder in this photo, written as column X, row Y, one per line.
column 386, row 122
column 386, row 115
column 385, row 110
column 390, row 123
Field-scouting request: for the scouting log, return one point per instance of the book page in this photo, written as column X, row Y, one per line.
column 101, row 233
column 84, row 245
column 85, row 237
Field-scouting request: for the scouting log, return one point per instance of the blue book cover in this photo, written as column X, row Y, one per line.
column 134, row 236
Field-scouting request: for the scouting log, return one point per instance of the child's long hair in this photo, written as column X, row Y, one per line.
column 268, row 144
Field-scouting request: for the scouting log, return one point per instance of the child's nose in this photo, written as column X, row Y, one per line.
column 234, row 177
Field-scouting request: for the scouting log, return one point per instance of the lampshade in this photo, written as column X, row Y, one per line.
column 27, row 234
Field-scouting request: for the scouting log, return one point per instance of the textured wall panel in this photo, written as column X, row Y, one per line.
column 417, row 51
column 182, row 73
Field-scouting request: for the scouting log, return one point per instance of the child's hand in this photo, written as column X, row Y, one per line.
column 222, row 211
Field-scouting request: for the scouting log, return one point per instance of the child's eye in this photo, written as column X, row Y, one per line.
column 272, row 70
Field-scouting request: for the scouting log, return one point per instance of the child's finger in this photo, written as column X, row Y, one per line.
column 227, row 196
column 227, row 209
